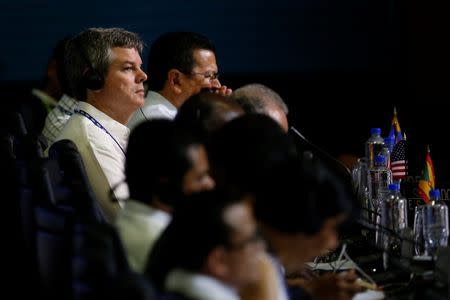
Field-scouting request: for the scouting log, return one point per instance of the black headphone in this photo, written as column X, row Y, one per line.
column 91, row 79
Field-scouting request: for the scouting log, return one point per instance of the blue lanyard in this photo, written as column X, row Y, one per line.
column 97, row 123
column 64, row 111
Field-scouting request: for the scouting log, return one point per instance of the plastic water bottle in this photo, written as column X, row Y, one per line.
column 394, row 217
column 386, row 150
column 393, row 220
column 435, row 219
column 374, row 145
column 378, row 179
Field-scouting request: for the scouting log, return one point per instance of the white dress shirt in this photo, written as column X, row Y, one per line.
column 102, row 153
column 139, row 226
column 198, row 286
column 155, row 107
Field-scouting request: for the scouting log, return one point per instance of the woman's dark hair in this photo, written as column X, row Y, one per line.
column 157, row 159
column 246, row 148
column 299, row 196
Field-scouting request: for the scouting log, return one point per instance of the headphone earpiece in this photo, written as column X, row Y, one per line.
column 92, row 80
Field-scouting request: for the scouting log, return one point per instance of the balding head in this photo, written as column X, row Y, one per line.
column 258, row 98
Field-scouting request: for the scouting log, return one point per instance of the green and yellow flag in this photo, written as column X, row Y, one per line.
column 427, row 182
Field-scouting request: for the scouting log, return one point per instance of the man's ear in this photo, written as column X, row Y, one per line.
column 174, row 79
column 216, row 263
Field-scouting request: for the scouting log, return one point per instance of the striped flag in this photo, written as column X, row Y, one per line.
column 427, row 182
column 399, row 164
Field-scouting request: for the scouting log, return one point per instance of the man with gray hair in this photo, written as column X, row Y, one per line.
column 258, row 98
column 103, row 68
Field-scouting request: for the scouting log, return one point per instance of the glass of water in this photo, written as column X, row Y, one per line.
column 435, row 227
column 419, row 240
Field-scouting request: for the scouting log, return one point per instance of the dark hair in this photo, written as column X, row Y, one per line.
column 197, row 227
column 299, row 196
column 246, row 148
column 156, row 160
column 57, row 60
column 59, row 55
column 91, row 50
column 206, row 112
column 174, row 50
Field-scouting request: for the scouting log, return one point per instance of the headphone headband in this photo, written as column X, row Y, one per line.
column 91, row 79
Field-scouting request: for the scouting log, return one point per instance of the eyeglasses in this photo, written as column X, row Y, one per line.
column 207, row 75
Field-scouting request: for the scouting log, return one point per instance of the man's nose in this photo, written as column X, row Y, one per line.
column 215, row 83
column 141, row 77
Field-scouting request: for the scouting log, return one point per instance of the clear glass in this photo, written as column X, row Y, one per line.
column 359, row 181
column 419, row 241
column 435, row 226
column 359, row 175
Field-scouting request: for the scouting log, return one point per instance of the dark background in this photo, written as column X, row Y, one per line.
column 340, row 65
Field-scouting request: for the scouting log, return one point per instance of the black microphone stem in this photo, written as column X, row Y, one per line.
column 322, row 151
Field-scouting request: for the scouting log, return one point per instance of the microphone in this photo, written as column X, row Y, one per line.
column 323, row 152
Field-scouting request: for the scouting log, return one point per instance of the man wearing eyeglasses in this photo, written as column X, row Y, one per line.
column 210, row 250
column 180, row 64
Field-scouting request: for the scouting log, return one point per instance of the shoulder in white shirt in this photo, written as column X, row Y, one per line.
column 155, row 107
column 199, row 286
column 139, row 226
column 102, row 153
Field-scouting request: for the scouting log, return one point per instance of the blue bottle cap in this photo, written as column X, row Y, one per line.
column 394, row 187
column 375, row 131
column 380, row 159
column 435, row 194
column 390, row 140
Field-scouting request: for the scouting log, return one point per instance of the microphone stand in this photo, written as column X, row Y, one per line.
column 323, row 152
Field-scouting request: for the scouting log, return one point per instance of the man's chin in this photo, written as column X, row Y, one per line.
column 140, row 101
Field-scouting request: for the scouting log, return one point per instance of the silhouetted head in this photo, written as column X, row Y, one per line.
column 206, row 112
column 165, row 162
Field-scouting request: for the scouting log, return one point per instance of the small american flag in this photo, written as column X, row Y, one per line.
column 399, row 164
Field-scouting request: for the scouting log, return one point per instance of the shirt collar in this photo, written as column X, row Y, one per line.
column 199, row 286
column 144, row 209
column 112, row 126
column 67, row 101
column 157, row 98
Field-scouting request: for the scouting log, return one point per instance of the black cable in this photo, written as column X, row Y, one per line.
column 140, row 108
column 323, row 152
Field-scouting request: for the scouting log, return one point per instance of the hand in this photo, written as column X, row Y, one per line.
column 332, row 286
column 223, row 90
column 348, row 282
